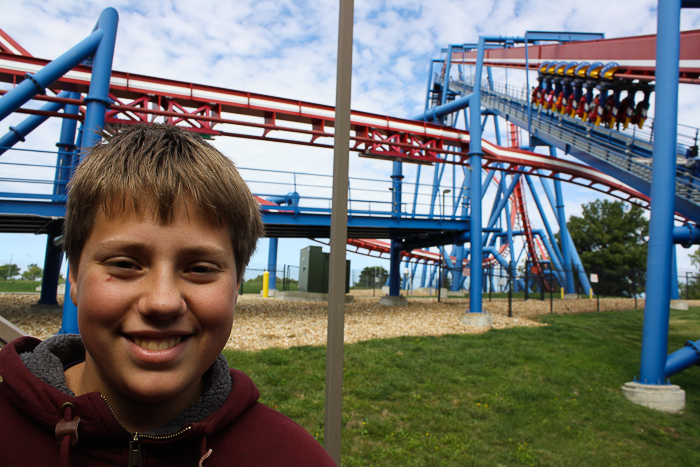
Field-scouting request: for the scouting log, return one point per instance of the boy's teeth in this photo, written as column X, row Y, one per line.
column 157, row 344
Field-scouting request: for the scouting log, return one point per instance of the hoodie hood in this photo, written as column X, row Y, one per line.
column 27, row 359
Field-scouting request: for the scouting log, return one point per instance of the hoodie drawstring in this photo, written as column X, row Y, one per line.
column 203, row 450
column 67, row 432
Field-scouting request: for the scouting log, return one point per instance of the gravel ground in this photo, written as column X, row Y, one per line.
column 264, row 323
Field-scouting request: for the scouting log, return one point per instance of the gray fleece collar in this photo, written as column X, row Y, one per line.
column 49, row 358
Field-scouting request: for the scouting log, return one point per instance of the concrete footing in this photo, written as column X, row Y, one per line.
column 41, row 308
column 306, row 296
column 679, row 305
column 389, row 300
column 570, row 296
column 481, row 320
column 663, row 397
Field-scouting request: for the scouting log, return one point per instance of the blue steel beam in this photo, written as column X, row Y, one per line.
column 543, row 217
column 564, row 231
column 686, row 235
column 97, row 101
column 66, row 148
column 38, row 82
column 538, row 36
column 19, row 132
column 684, row 358
column 575, row 259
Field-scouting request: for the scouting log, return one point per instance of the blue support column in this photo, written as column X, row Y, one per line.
column 272, row 262
column 396, row 182
column 396, row 246
column 395, row 268
column 659, row 258
column 52, row 272
column 475, row 184
column 54, row 254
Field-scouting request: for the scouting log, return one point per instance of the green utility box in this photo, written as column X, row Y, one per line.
column 314, row 265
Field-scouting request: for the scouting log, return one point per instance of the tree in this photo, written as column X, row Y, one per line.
column 32, row 273
column 368, row 277
column 690, row 289
column 611, row 238
column 8, row 271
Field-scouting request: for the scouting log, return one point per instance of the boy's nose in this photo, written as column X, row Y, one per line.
column 162, row 297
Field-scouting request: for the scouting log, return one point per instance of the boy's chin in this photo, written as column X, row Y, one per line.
column 164, row 390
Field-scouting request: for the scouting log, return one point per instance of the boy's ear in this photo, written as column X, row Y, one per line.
column 73, row 286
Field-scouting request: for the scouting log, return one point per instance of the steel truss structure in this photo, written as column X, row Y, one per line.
column 87, row 91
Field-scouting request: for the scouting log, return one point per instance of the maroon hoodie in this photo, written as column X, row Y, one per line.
column 41, row 425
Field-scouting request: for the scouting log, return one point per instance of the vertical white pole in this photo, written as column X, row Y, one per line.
column 339, row 235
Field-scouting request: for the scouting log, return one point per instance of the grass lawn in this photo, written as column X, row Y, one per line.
column 19, row 286
column 547, row 396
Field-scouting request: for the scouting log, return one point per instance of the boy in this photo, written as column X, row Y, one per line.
column 159, row 229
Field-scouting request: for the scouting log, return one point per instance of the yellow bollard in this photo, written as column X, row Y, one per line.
column 590, row 293
column 266, row 283
column 562, row 293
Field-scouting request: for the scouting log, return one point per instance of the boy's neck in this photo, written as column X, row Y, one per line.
column 134, row 416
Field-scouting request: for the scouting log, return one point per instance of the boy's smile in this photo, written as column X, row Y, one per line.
column 155, row 308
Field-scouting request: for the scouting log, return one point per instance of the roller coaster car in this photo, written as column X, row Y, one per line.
column 612, row 120
column 559, row 69
column 581, row 70
column 608, row 71
column 641, row 110
column 570, row 69
column 582, row 111
column 594, row 70
column 609, row 112
column 571, row 104
column 536, row 95
column 640, row 114
column 624, row 114
column 593, row 109
column 549, row 100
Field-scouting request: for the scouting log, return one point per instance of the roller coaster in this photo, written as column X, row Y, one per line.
column 591, row 100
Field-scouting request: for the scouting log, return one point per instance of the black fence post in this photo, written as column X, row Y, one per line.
column 551, row 296
column 527, row 280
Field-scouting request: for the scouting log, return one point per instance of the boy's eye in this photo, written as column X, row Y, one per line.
column 122, row 264
column 202, row 269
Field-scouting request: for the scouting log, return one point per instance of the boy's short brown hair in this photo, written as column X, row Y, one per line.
column 157, row 168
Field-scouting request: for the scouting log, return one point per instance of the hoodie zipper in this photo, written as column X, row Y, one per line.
column 136, row 437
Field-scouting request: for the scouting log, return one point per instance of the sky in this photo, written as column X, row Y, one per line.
column 288, row 49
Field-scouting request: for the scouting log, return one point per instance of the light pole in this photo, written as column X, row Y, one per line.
column 444, row 192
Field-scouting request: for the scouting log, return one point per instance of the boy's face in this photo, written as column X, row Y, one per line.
column 155, row 305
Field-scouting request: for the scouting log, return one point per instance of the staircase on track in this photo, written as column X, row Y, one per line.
column 624, row 155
